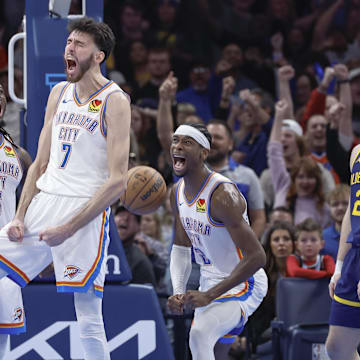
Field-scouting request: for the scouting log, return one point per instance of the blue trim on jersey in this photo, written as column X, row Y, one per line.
column 13, row 330
column 94, row 94
column 212, row 221
column 242, row 297
column 227, row 340
column 90, row 281
column 13, row 275
column 99, row 293
column 102, row 122
column 2, row 140
column 200, row 190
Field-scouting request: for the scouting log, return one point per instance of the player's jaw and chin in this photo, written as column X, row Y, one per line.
column 81, row 67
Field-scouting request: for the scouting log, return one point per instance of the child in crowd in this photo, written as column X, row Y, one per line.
column 338, row 200
column 309, row 263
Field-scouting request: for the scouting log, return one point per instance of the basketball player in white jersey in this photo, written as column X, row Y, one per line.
column 79, row 171
column 210, row 215
column 14, row 162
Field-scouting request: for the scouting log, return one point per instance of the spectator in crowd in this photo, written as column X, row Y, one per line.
column 138, row 73
column 143, row 127
column 201, row 94
column 159, row 64
column 128, row 226
column 278, row 245
column 231, row 64
column 354, row 81
column 129, row 25
column 302, row 190
column 292, row 141
column 338, row 200
column 244, row 177
column 183, row 110
column 309, row 263
column 255, row 123
column 281, row 213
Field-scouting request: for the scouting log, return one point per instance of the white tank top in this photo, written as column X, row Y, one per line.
column 10, row 176
column 78, row 160
column 213, row 246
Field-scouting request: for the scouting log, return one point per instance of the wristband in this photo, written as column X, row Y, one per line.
column 343, row 81
column 338, row 267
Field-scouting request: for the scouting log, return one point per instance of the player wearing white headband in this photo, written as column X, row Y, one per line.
column 210, row 215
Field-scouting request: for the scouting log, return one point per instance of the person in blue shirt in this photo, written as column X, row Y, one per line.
column 338, row 200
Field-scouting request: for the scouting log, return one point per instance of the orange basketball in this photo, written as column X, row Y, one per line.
column 145, row 192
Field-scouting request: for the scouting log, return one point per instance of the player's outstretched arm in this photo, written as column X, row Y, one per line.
column 180, row 261
column 227, row 206
column 117, row 119
column 37, row 168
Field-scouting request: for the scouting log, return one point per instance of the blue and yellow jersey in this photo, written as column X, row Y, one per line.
column 354, row 237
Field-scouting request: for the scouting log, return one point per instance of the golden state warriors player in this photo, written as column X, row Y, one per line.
column 14, row 162
column 344, row 334
column 79, row 171
column 210, row 215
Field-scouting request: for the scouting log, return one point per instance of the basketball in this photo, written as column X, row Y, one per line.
column 145, row 192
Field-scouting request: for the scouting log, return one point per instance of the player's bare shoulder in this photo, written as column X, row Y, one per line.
column 226, row 202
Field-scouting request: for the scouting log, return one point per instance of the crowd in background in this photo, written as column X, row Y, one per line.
column 276, row 82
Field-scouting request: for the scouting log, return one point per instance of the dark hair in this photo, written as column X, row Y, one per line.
column 224, row 124
column 271, row 265
column 122, row 208
column 101, row 33
column 202, row 128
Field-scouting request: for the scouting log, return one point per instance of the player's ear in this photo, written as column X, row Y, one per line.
column 99, row 56
column 204, row 154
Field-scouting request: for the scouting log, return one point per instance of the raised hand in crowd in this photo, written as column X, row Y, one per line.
column 329, row 75
column 334, row 114
column 168, row 88
column 285, row 74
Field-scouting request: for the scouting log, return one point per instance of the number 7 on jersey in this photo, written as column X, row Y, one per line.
column 66, row 148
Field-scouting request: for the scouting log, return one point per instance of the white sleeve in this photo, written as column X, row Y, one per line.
column 180, row 268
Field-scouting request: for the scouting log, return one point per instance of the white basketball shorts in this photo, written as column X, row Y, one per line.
column 78, row 261
column 12, row 317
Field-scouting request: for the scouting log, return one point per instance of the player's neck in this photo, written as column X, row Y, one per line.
column 194, row 181
column 91, row 82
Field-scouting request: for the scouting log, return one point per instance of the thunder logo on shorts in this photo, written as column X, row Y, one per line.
column 71, row 271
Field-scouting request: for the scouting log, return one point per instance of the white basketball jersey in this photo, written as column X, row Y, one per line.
column 10, row 177
column 78, row 160
column 213, row 247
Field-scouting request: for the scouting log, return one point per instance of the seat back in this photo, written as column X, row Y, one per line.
column 302, row 301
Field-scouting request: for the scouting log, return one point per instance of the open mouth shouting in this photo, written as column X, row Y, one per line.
column 71, row 66
column 179, row 162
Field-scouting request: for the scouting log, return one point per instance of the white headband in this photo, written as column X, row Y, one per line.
column 194, row 133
